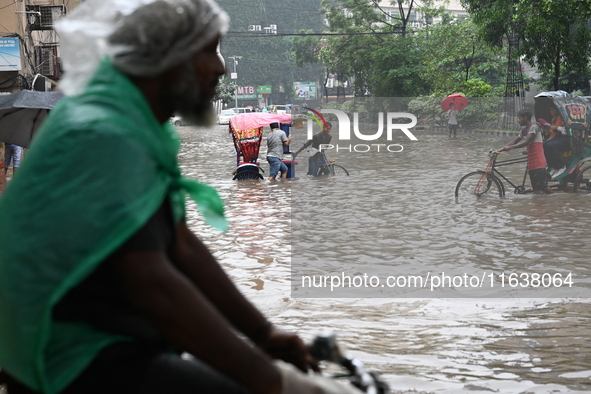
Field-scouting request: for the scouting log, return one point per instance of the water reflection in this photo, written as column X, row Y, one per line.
column 428, row 345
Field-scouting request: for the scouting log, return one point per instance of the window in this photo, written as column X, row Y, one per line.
column 393, row 17
column 43, row 17
column 47, row 61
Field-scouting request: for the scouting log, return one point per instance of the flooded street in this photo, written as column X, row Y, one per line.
column 396, row 215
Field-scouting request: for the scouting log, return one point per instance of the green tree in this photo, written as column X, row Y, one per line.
column 570, row 81
column 453, row 53
column 396, row 68
column 375, row 49
column 225, row 91
column 305, row 48
column 370, row 15
column 554, row 35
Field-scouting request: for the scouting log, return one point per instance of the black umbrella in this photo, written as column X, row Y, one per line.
column 22, row 113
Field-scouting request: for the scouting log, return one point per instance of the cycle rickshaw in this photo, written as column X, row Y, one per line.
column 576, row 115
column 247, row 133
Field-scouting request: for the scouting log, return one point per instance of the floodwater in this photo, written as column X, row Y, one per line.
column 397, row 214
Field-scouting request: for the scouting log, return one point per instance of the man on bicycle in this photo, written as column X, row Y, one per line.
column 102, row 284
column 531, row 139
column 321, row 138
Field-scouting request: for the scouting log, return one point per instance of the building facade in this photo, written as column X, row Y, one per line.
column 417, row 18
column 29, row 47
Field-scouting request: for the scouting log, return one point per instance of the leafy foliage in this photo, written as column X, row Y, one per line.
column 397, row 69
column 554, row 35
column 305, row 48
column 569, row 81
column 225, row 91
column 377, row 53
column 375, row 50
column 454, row 53
column 482, row 112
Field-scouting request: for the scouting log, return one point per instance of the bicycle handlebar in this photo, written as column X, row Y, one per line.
column 324, row 347
column 496, row 152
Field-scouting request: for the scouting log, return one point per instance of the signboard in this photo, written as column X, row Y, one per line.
column 264, row 90
column 10, row 54
column 304, row 90
column 246, row 92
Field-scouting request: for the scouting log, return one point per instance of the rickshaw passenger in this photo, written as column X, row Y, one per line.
column 556, row 143
column 531, row 139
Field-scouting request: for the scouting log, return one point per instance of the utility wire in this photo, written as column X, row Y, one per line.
column 247, row 34
column 8, row 5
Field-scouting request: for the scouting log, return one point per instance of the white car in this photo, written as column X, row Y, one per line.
column 280, row 109
column 225, row 115
column 177, row 121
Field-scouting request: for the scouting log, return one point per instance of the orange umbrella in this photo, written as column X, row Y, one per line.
column 460, row 102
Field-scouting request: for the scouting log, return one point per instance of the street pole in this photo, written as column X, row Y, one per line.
column 235, row 76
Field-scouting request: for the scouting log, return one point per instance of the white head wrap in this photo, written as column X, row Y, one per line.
column 142, row 37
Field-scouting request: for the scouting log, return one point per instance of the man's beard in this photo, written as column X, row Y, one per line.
column 185, row 97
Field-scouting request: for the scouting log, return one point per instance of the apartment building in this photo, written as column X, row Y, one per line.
column 29, row 47
column 417, row 18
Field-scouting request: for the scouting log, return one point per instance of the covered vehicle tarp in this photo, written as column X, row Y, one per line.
column 258, row 119
column 575, row 111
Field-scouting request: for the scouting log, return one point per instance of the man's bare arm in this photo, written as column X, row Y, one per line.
column 182, row 313
column 193, row 258
column 515, row 144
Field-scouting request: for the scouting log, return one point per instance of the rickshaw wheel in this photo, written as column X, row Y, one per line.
column 583, row 180
column 470, row 185
column 247, row 174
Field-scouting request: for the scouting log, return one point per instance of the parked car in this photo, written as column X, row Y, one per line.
column 225, row 115
column 242, row 110
column 177, row 121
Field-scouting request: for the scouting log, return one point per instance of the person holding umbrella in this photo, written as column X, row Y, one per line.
column 453, row 104
column 452, row 122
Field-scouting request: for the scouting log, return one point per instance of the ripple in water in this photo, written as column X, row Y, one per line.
column 397, row 213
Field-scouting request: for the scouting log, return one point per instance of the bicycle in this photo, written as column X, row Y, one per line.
column 324, row 347
column 478, row 183
column 329, row 168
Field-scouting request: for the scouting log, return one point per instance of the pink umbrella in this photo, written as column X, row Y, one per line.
column 460, row 102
